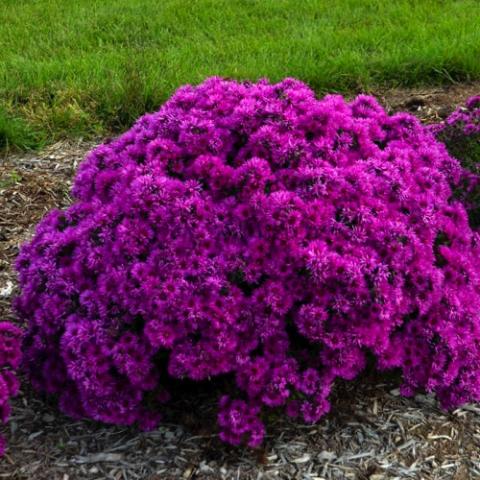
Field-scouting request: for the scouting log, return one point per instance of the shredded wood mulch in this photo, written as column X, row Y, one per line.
column 372, row 432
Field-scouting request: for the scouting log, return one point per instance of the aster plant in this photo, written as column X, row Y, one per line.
column 461, row 134
column 254, row 232
column 10, row 355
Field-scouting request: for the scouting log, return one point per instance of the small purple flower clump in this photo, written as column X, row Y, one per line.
column 10, row 355
column 465, row 120
column 252, row 231
column 460, row 132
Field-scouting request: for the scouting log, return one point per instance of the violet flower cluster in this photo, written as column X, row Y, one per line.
column 252, row 231
column 465, row 120
column 460, row 132
column 10, row 355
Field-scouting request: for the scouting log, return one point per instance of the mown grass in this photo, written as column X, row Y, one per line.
column 14, row 132
column 82, row 67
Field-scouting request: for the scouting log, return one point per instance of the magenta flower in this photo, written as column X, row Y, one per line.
column 254, row 232
column 10, row 356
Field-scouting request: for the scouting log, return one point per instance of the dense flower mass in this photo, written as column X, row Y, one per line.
column 10, row 355
column 255, row 232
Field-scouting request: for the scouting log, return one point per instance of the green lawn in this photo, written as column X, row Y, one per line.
column 82, row 67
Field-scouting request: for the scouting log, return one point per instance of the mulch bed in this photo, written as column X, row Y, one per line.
column 372, row 433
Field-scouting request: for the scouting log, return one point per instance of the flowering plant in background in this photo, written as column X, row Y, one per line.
column 464, row 120
column 10, row 355
column 252, row 231
column 461, row 134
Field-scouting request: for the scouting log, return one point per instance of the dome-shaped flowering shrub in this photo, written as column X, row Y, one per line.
column 10, row 355
column 255, row 232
